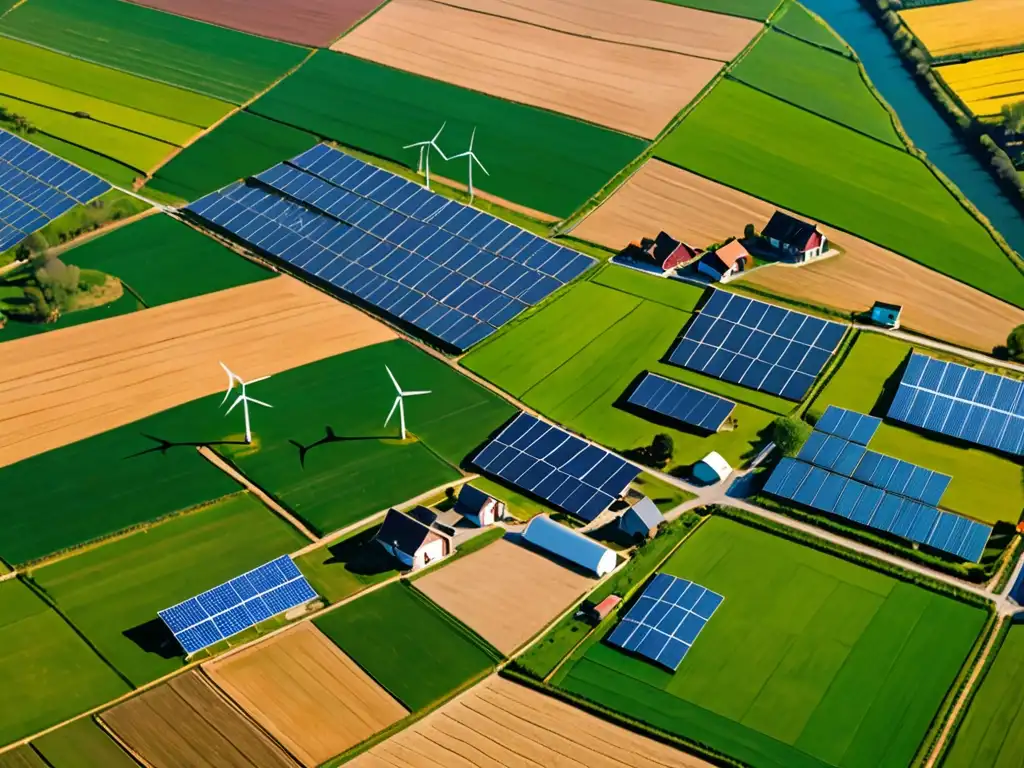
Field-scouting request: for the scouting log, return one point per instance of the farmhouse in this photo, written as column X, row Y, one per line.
column 798, row 239
column 544, row 533
column 712, row 469
column 479, row 508
column 662, row 253
column 595, row 614
column 886, row 315
column 411, row 541
column 728, row 260
column 641, row 519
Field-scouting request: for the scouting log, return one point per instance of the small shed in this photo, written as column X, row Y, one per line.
column 886, row 315
column 479, row 508
column 641, row 519
column 798, row 239
column 544, row 533
column 663, row 253
column 732, row 258
column 410, row 541
column 712, row 469
column 595, row 614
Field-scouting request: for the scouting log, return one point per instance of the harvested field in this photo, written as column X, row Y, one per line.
column 65, row 386
column 186, row 722
column 592, row 80
column 306, row 693
column 976, row 25
column 499, row 723
column 646, row 23
column 987, row 85
column 505, row 592
column 701, row 211
column 22, row 757
column 306, row 22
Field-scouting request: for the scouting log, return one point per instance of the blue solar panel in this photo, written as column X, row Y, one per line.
column 236, row 605
column 849, row 425
column 680, row 402
column 960, row 402
column 37, row 187
column 757, row 345
column 666, row 619
column 874, row 507
column 581, row 478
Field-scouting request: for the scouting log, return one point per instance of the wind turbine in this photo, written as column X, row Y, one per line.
column 400, row 402
column 242, row 398
column 425, row 147
column 472, row 159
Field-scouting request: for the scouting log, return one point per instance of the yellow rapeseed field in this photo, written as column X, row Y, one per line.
column 974, row 25
column 986, row 85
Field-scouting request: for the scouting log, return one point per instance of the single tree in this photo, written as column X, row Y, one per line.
column 789, row 434
column 1015, row 344
column 662, row 448
column 59, row 281
column 1013, row 117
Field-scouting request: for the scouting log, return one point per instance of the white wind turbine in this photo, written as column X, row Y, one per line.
column 242, row 398
column 400, row 401
column 472, row 159
column 425, row 147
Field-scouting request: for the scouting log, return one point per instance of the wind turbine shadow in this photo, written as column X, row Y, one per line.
column 162, row 446
column 330, row 436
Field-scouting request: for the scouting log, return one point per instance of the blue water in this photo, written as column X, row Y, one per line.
column 920, row 117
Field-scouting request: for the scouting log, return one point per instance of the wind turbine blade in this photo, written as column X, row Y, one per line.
column 394, row 381
column 471, row 137
column 418, row 392
column 231, row 382
column 475, row 159
column 392, row 411
column 259, row 402
column 253, row 381
column 438, row 134
column 238, row 400
column 416, row 144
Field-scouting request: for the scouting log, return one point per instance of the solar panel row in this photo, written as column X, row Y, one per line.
column 238, row 604
column 961, row 402
column 574, row 475
column 37, row 187
column 680, row 402
column 849, row 425
column 867, row 505
column 665, row 621
column 758, row 345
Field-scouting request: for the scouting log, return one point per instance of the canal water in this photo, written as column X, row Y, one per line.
column 920, row 117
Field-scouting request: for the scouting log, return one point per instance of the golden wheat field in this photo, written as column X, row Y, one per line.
column 975, row 25
column 987, row 85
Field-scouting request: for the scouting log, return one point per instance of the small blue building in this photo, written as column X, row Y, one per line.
column 642, row 519
column 886, row 315
column 711, row 469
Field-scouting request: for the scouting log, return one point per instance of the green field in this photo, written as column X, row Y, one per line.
column 101, row 485
column 781, row 153
column 18, row 330
column 211, row 60
column 109, row 169
column 22, row 757
column 751, row 9
column 809, row 662
column 818, row 81
column 798, row 21
column 348, row 566
column 990, row 735
column 81, row 744
column 241, row 146
column 414, row 650
column 985, row 485
column 536, row 158
column 109, row 85
column 112, row 592
column 163, row 260
column 48, row 673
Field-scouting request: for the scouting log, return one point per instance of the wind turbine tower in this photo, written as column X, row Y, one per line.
column 425, row 147
column 472, row 159
column 242, row 398
column 400, row 401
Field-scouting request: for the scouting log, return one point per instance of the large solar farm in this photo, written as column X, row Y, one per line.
column 415, row 384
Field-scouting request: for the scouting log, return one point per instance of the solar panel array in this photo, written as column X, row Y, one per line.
column 680, row 402
column 758, row 345
column 965, row 403
column 848, row 425
column 37, row 187
column 868, row 505
column 238, row 604
column 574, row 475
column 664, row 622
column 448, row 269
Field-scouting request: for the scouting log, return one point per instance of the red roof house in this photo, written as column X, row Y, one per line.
column 664, row 252
column 794, row 237
column 728, row 260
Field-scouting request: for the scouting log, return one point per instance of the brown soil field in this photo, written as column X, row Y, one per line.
column 186, row 723
column 306, row 693
column 70, row 384
column 646, row 23
column 499, row 723
column 505, row 592
column 22, row 757
column 306, row 22
column 629, row 88
column 687, row 206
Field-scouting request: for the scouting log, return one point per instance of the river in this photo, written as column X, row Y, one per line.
column 920, row 117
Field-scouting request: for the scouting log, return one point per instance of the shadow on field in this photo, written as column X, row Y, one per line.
column 155, row 637
column 165, row 445
column 361, row 556
column 330, row 437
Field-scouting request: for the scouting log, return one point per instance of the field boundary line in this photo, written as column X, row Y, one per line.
column 124, row 745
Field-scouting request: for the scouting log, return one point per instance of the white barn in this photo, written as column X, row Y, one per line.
column 410, row 541
column 544, row 533
column 479, row 508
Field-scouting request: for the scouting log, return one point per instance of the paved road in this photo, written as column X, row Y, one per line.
column 942, row 346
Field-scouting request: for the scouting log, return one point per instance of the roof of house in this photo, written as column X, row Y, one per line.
column 664, row 251
column 603, row 608
column 402, row 532
column 647, row 511
column 718, row 464
column 725, row 258
column 423, row 514
column 889, row 307
column 545, row 533
column 790, row 230
column 471, row 500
